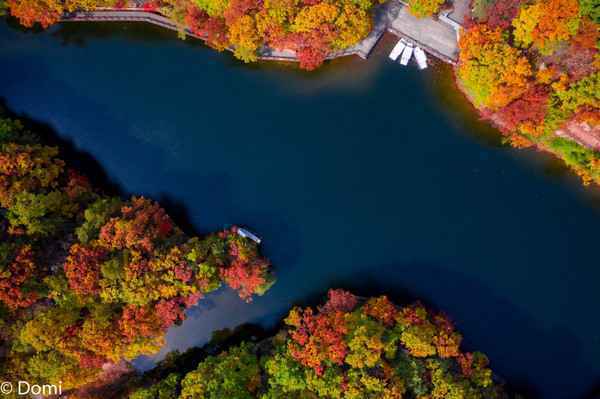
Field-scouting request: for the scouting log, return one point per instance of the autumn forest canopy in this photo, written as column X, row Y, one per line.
column 532, row 69
column 88, row 280
column 313, row 29
column 348, row 348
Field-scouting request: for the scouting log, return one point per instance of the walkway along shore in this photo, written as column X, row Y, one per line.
column 438, row 37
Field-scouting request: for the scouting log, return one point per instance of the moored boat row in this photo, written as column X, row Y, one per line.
column 405, row 50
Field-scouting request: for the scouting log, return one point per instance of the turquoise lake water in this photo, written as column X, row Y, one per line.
column 364, row 175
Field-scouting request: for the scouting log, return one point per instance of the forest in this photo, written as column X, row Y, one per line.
column 89, row 281
column 532, row 68
column 313, row 29
column 348, row 348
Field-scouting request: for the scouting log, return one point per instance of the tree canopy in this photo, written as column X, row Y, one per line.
column 88, row 280
column 313, row 29
column 531, row 67
column 349, row 348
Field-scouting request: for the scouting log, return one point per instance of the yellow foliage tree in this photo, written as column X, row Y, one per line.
column 546, row 23
column 424, row 8
column 243, row 35
column 492, row 72
column 312, row 17
column 353, row 25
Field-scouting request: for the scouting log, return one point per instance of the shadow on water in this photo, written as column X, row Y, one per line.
column 85, row 163
column 77, row 159
column 78, row 33
column 593, row 393
column 184, row 362
column 466, row 118
column 13, row 23
column 459, row 110
column 178, row 212
column 512, row 328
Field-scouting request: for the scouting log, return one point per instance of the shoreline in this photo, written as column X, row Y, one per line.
column 155, row 18
column 533, row 145
column 385, row 17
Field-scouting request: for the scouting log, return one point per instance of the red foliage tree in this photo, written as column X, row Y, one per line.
column 169, row 312
column 311, row 58
column 245, row 277
column 195, row 20
column 216, row 33
column 381, row 309
column 447, row 341
column 151, row 5
column 77, row 185
column 316, row 339
column 311, row 47
column 12, row 279
column 531, row 107
column 192, row 299
column 142, row 223
column 82, row 268
column 414, row 314
column 140, row 321
column 214, row 30
column 502, row 12
column 465, row 361
column 30, row 12
column 238, row 8
column 91, row 361
column 578, row 60
column 339, row 300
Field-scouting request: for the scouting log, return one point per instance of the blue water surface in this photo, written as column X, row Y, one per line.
column 363, row 175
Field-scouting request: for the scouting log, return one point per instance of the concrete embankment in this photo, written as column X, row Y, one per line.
column 435, row 36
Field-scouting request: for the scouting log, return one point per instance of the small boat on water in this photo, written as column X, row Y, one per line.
column 406, row 54
column 248, row 234
column 397, row 50
column 420, row 57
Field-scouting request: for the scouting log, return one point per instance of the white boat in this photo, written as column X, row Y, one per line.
column 420, row 57
column 248, row 234
column 406, row 54
column 397, row 50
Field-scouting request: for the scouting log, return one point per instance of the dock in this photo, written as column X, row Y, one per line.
column 435, row 36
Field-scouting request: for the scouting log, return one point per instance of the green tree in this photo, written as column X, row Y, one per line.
column 591, row 8
column 3, row 7
column 424, row 8
column 41, row 214
column 95, row 216
column 165, row 389
column 234, row 374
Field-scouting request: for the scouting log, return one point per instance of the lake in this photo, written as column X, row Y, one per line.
column 364, row 175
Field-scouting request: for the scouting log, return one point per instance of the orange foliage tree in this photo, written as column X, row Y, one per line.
column 30, row 12
column 545, row 23
column 82, row 269
column 492, row 72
